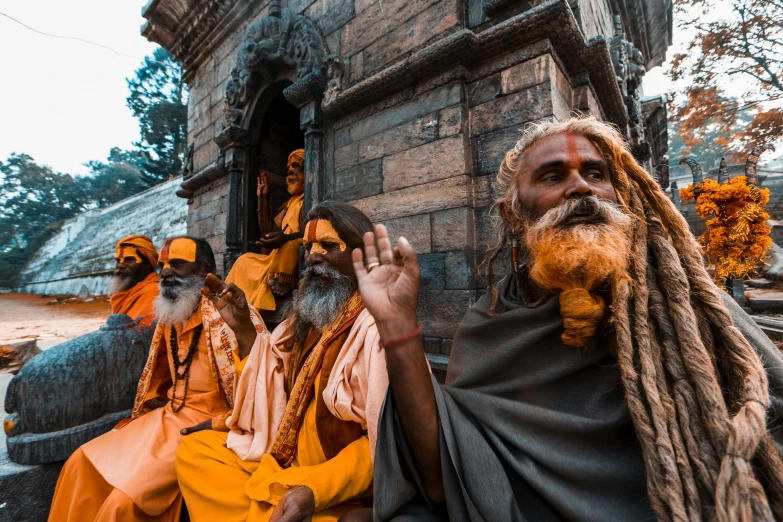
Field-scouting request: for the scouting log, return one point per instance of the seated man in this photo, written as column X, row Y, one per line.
column 606, row 378
column 128, row 473
column 262, row 276
column 135, row 283
column 303, row 430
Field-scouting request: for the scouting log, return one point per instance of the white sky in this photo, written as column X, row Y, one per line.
column 63, row 101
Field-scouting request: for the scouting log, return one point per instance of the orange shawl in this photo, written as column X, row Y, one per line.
column 221, row 343
column 137, row 300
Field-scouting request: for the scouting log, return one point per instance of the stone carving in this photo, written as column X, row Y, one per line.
column 75, row 391
column 723, row 172
column 750, row 163
column 629, row 68
column 280, row 40
column 187, row 166
column 335, row 67
column 696, row 172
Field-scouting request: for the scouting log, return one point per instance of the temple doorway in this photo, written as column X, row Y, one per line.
column 275, row 134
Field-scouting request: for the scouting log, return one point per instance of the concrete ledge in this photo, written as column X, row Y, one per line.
column 33, row 448
column 25, row 491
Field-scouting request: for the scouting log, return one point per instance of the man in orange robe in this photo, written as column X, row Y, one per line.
column 262, row 276
column 128, row 474
column 135, row 284
column 303, row 429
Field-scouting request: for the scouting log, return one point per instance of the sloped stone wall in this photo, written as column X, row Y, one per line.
column 82, row 253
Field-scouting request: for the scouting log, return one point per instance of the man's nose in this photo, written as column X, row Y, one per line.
column 313, row 258
column 577, row 186
column 166, row 272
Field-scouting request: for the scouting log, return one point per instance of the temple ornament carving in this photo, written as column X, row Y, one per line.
column 280, row 40
column 629, row 68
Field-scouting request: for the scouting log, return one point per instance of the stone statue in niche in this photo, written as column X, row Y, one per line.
column 187, row 167
column 335, row 67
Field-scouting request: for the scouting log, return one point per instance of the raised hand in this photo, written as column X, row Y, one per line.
column 263, row 185
column 390, row 288
column 229, row 300
column 232, row 305
column 297, row 505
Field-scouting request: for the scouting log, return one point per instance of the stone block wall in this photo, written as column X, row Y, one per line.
column 208, row 215
column 425, row 167
column 421, row 152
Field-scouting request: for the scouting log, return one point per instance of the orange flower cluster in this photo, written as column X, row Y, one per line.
column 737, row 238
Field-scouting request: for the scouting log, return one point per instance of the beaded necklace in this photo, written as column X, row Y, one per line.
column 186, row 362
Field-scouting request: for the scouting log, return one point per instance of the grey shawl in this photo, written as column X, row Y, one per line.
column 531, row 429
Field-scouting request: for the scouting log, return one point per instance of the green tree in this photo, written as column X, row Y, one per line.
column 34, row 201
column 158, row 99
column 116, row 179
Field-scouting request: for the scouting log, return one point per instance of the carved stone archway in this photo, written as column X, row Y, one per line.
column 280, row 45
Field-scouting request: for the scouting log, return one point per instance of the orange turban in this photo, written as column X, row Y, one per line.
column 297, row 154
column 142, row 244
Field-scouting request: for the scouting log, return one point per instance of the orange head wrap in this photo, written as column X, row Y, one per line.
column 298, row 154
column 133, row 246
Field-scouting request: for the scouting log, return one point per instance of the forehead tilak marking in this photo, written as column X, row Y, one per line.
column 571, row 149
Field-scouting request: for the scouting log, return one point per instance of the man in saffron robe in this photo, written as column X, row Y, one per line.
column 302, row 433
column 128, row 473
column 262, row 276
column 135, row 283
column 606, row 377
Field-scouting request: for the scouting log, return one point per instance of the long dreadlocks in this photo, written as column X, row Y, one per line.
column 696, row 390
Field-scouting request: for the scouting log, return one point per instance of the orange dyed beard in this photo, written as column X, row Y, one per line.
column 576, row 260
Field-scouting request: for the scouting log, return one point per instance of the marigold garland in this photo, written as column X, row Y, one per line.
column 737, row 238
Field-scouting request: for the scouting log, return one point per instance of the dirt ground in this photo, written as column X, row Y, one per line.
column 27, row 316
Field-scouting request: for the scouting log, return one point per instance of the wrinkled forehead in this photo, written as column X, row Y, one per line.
column 321, row 231
column 565, row 148
column 178, row 248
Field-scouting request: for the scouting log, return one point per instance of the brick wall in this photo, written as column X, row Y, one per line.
column 422, row 163
column 424, row 168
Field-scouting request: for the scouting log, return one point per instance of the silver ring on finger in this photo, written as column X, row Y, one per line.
column 371, row 266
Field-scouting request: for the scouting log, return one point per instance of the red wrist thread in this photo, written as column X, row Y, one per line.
column 400, row 340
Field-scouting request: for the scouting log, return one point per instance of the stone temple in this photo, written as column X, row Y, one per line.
column 404, row 108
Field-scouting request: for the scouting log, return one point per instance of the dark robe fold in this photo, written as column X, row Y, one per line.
column 531, row 429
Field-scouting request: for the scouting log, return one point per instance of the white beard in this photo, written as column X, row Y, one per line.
column 120, row 283
column 176, row 304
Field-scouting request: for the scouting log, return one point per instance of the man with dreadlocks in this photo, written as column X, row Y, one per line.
column 606, row 378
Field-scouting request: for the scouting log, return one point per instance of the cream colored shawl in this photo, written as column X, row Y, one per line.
column 355, row 390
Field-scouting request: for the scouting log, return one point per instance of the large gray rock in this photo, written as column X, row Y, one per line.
column 75, row 391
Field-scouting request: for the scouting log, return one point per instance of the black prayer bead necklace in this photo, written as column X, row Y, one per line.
column 186, row 362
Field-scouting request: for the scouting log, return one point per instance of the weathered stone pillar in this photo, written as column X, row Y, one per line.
column 311, row 122
column 234, row 142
